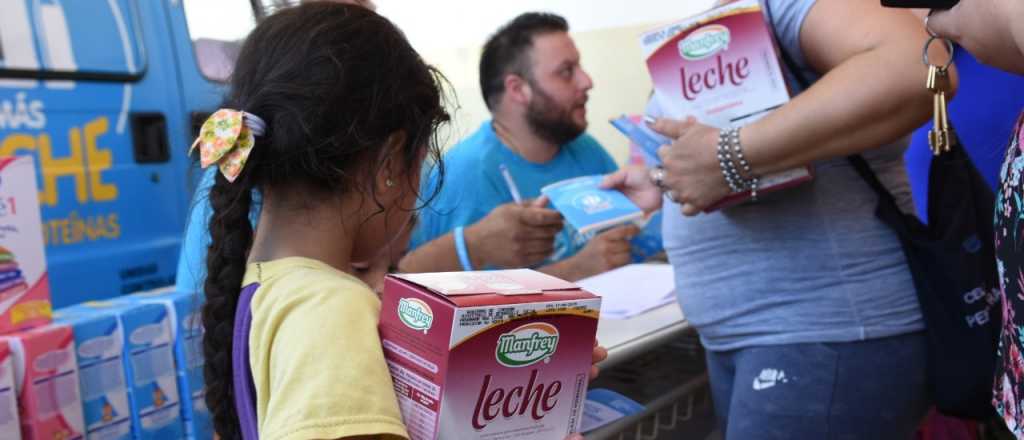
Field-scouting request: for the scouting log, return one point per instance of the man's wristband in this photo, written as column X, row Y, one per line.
column 460, row 248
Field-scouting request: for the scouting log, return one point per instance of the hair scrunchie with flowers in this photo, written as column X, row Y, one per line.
column 226, row 139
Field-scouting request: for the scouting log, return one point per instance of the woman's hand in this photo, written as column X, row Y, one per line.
column 692, row 173
column 635, row 182
column 987, row 29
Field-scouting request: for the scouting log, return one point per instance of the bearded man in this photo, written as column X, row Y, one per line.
column 536, row 91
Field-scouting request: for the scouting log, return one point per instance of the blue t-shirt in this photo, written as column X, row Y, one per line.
column 473, row 184
column 983, row 113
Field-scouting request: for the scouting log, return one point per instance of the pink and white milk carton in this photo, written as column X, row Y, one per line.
column 46, row 378
column 24, row 286
column 722, row 67
column 488, row 355
column 9, row 422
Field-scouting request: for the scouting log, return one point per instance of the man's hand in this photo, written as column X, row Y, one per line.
column 606, row 251
column 514, row 235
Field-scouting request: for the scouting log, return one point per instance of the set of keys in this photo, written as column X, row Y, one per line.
column 938, row 83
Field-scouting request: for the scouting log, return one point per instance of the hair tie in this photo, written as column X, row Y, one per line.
column 226, row 139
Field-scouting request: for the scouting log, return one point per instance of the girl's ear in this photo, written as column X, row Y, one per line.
column 390, row 173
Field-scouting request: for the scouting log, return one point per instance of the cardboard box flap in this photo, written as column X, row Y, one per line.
column 501, row 282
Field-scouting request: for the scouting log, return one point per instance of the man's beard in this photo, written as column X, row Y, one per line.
column 550, row 120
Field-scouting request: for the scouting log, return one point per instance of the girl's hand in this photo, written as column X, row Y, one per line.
column 599, row 354
column 692, row 172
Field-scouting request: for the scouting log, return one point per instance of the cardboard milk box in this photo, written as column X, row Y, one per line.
column 487, row 355
column 187, row 329
column 149, row 366
column 99, row 346
column 10, row 428
column 722, row 67
column 24, row 286
column 46, row 378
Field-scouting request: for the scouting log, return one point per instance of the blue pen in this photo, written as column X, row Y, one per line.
column 512, row 188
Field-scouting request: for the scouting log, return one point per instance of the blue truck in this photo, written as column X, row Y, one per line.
column 107, row 96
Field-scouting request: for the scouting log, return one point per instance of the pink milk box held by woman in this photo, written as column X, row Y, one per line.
column 488, row 355
column 722, row 67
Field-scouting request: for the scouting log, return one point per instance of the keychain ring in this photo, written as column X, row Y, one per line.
column 949, row 48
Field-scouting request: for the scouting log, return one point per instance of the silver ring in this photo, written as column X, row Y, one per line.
column 949, row 48
column 657, row 175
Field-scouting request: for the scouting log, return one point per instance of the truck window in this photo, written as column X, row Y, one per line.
column 217, row 29
column 41, row 39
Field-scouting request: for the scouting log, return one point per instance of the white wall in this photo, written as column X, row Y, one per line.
column 431, row 24
column 449, row 34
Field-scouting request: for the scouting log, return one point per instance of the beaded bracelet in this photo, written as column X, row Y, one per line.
column 725, row 162
column 730, row 153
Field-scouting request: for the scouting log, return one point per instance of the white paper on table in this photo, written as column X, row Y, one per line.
column 631, row 290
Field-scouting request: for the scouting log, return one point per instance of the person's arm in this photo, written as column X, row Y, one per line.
column 510, row 236
column 437, row 255
column 872, row 93
column 606, row 251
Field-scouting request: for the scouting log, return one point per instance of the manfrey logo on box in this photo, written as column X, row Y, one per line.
column 527, row 345
column 415, row 313
column 704, row 42
column 507, row 354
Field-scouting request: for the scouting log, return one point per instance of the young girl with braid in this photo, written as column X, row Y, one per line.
column 329, row 117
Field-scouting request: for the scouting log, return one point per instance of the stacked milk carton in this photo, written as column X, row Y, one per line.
column 99, row 342
column 186, row 328
column 146, row 361
column 142, row 366
column 39, row 393
column 129, row 368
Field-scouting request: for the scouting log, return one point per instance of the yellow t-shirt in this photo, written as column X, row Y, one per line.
column 315, row 354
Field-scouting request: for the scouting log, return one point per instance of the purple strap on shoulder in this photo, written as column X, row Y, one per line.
column 245, row 390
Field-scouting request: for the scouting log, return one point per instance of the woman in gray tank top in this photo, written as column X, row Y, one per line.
column 803, row 298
